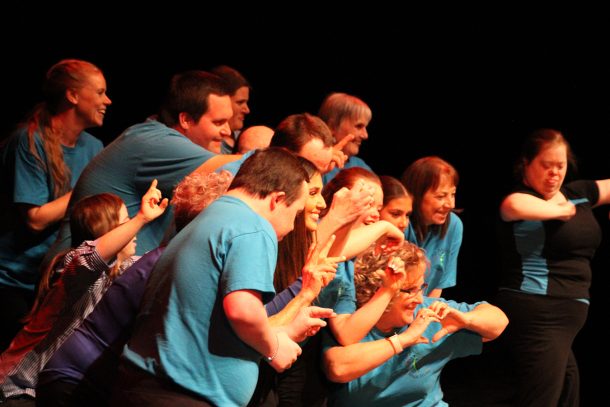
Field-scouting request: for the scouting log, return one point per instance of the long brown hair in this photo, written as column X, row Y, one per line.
column 92, row 217
column 64, row 75
column 293, row 248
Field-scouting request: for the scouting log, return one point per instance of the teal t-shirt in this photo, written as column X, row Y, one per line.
column 128, row 165
column 182, row 332
column 21, row 251
column 411, row 378
column 353, row 161
column 442, row 253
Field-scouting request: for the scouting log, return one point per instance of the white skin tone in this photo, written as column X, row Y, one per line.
column 372, row 215
column 283, row 219
column 546, row 172
column 437, row 204
column 398, row 211
column 130, row 248
column 90, row 102
column 355, row 128
column 239, row 103
column 320, row 155
column 212, row 126
column 314, row 203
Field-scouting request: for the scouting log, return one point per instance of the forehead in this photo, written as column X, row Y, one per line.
column 404, row 202
column 556, row 152
column 218, row 107
column 241, row 94
column 94, row 79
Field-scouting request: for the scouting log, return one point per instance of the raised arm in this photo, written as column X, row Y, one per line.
column 520, row 206
column 359, row 239
column 152, row 206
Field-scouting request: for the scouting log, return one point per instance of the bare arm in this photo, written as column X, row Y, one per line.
column 216, row 162
column 487, row 320
column 248, row 318
column 38, row 218
column 359, row 239
column 519, row 206
column 604, row 192
column 152, row 206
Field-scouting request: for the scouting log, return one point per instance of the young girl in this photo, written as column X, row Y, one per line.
column 74, row 283
column 397, row 203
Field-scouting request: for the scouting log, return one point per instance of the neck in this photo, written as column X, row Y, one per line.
column 68, row 127
column 385, row 326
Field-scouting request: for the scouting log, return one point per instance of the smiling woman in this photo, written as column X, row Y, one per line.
column 410, row 343
column 39, row 165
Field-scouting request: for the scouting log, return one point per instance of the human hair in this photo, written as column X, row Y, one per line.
column 367, row 266
column 337, row 107
column 65, row 75
column 92, row 216
column 421, row 176
column 271, row 170
column 232, row 78
column 535, row 143
column 392, row 189
column 293, row 248
column 195, row 192
column 189, row 93
column 296, row 130
column 346, row 178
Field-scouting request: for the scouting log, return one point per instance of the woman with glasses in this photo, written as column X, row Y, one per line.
column 413, row 340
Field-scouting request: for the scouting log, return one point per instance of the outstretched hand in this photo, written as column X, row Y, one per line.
column 308, row 322
column 153, row 205
column 416, row 329
column 319, row 269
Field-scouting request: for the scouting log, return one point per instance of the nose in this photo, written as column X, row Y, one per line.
column 321, row 204
column 403, row 223
column 246, row 109
column 107, row 100
column 225, row 130
column 364, row 135
column 419, row 297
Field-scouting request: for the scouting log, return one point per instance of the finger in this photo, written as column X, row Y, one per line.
column 153, row 184
column 335, row 260
column 343, row 142
column 164, row 203
column 312, row 248
column 316, row 323
column 319, row 312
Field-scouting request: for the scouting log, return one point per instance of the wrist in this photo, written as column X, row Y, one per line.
column 395, row 342
column 271, row 358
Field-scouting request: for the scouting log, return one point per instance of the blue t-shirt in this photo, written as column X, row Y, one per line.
column 92, row 352
column 234, row 166
column 442, row 253
column 21, row 251
column 182, row 332
column 128, row 165
column 353, row 161
column 340, row 293
column 411, row 378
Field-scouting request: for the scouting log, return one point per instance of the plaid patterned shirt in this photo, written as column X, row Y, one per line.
column 83, row 279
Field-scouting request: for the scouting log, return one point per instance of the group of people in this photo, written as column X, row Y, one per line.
column 284, row 272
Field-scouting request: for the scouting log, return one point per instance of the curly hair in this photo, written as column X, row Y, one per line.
column 195, row 192
column 367, row 278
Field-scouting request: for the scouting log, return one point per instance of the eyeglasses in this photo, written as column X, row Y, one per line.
column 412, row 292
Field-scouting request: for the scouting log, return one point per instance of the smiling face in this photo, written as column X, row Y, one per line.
column 372, row 214
column 213, row 125
column 239, row 103
column 546, row 172
column 314, row 203
column 438, row 203
column 357, row 128
column 130, row 248
column 91, row 100
column 401, row 311
column 398, row 211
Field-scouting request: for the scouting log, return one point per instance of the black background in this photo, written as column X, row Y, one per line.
column 467, row 89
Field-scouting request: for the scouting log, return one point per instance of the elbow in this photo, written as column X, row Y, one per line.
column 35, row 227
column 335, row 371
column 500, row 323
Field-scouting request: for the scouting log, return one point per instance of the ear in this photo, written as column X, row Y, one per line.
column 184, row 120
column 72, row 96
column 277, row 198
